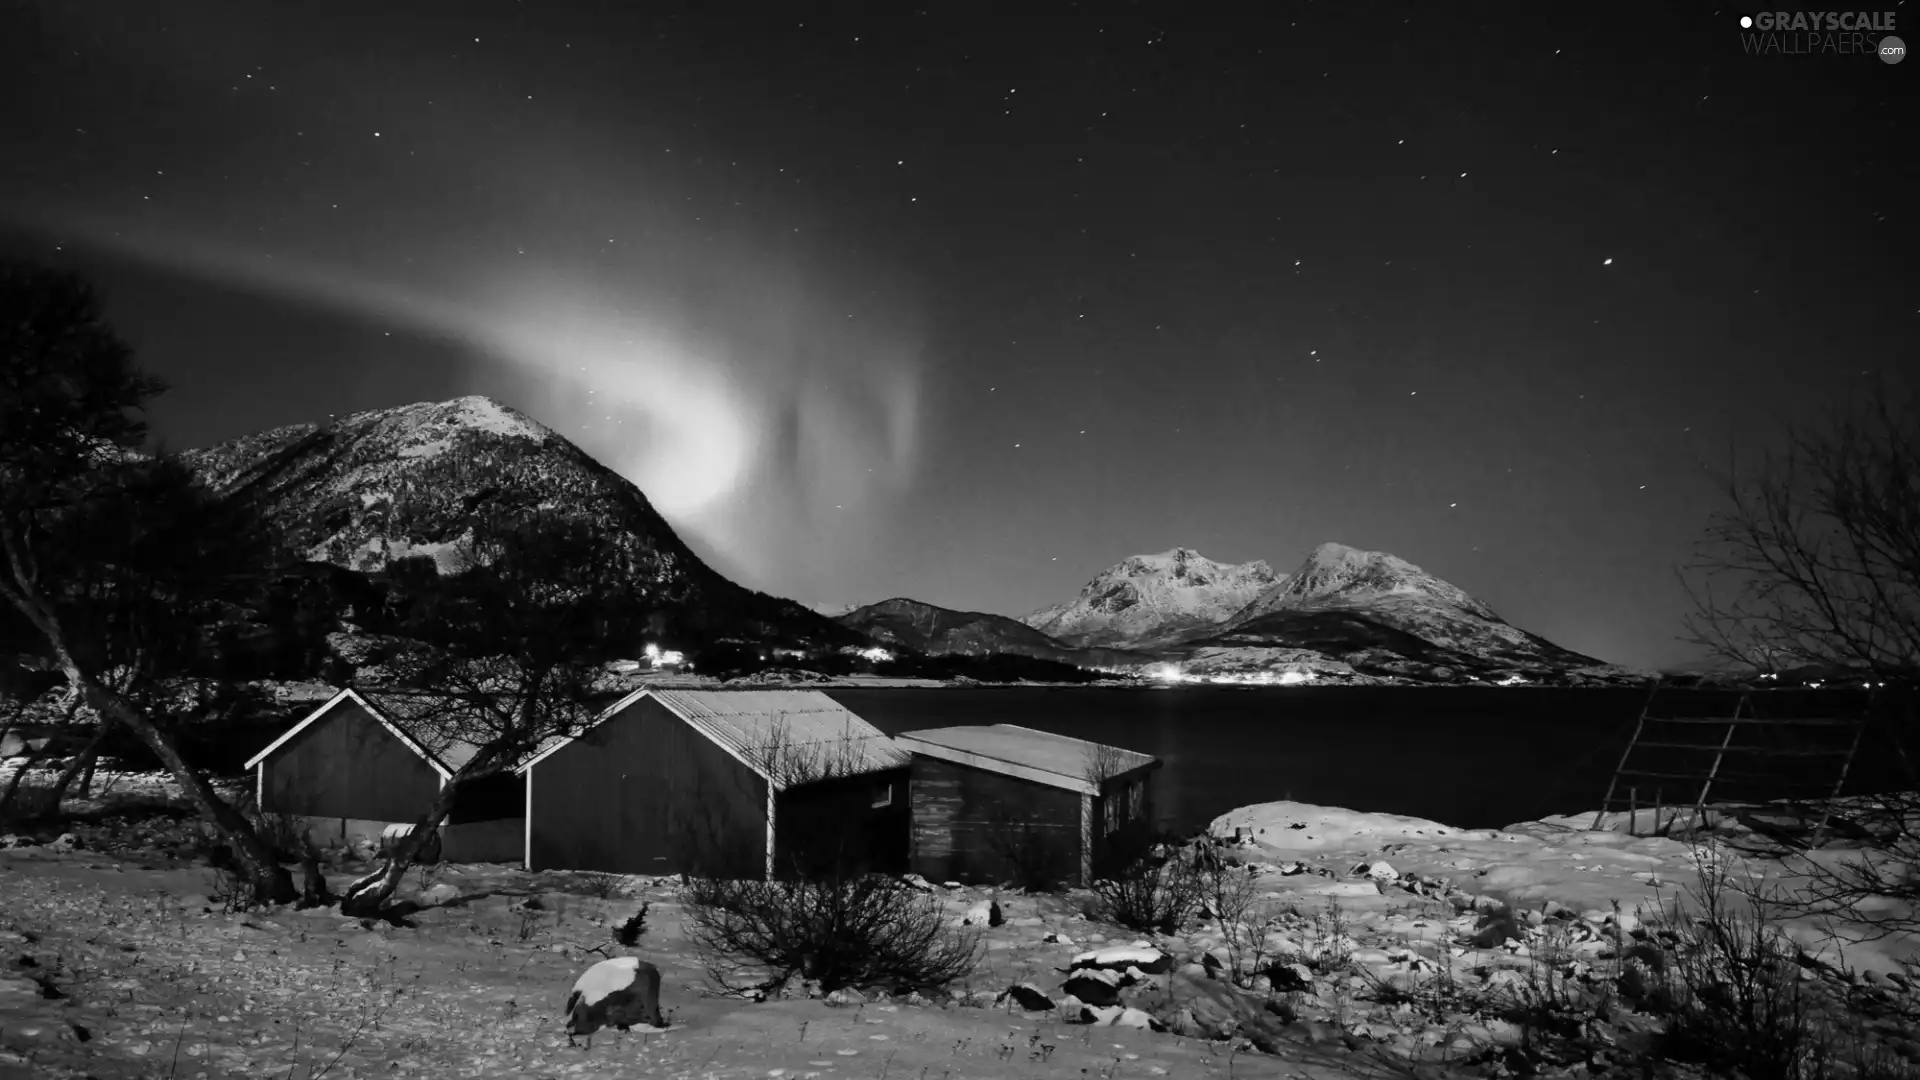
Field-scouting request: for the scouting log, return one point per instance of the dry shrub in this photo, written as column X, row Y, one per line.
column 842, row 930
column 1151, row 884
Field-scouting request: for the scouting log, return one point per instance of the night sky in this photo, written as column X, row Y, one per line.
column 967, row 311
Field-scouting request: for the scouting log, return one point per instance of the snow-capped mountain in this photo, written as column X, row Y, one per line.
column 1343, row 610
column 938, row 631
column 1335, row 574
column 1147, row 600
column 1380, row 613
column 367, row 489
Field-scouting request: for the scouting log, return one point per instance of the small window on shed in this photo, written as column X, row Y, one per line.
column 883, row 796
column 1137, row 800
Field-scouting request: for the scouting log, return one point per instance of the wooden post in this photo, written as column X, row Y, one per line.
column 1633, row 811
column 1700, row 804
column 1606, row 801
column 1846, row 766
column 1086, row 840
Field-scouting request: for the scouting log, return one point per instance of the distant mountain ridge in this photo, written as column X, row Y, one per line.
column 939, row 631
column 1148, row 600
column 1342, row 608
column 356, row 496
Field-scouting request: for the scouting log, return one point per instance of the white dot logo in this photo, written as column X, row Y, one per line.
column 1746, row 22
column 1892, row 49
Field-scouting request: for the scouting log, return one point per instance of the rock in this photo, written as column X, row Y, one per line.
column 1095, row 986
column 846, row 996
column 1216, row 959
column 17, row 992
column 437, row 896
column 1185, row 1025
column 1057, row 939
column 1029, row 997
column 917, row 882
column 1291, row 977
column 995, row 917
column 1506, row 979
column 1149, row 960
column 1135, row 1018
column 1098, row 1015
column 977, row 915
column 1380, row 872
column 982, row 998
column 12, row 840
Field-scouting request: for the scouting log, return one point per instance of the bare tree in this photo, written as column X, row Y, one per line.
column 513, row 642
column 1103, row 763
column 1817, row 558
column 104, row 554
column 1816, row 561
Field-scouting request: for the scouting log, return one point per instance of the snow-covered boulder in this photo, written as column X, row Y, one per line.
column 1149, row 960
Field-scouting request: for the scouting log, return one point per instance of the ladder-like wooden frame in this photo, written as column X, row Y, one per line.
column 1742, row 715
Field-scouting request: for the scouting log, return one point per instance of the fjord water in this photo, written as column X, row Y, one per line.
column 1473, row 757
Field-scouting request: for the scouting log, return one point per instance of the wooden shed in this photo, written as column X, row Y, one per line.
column 739, row 783
column 366, row 761
column 1007, row 803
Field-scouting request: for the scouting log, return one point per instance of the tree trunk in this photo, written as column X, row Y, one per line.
column 83, row 761
column 13, row 785
column 270, row 881
column 368, row 897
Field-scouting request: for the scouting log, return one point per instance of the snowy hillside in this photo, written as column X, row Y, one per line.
column 1146, row 600
column 370, row 488
column 1336, row 575
column 938, row 631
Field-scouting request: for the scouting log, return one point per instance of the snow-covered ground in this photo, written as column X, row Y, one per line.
column 1559, row 861
column 1364, row 913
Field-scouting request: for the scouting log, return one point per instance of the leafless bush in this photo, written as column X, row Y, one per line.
column 604, row 886
column 628, row 933
column 1151, row 885
column 842, row 930
column 1738, row 1001
column 1227, row 891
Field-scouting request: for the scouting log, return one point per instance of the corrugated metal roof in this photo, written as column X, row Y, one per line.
column 788, row 736
column 1071, row 760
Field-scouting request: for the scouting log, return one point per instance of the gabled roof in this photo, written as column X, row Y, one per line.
column 419, row 721
column 788, row 737
column 372, row 710
column 1045, row 758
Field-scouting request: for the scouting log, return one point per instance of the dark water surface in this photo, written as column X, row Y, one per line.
column 1474, row 757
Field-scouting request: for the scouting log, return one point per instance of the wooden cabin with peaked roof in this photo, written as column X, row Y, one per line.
column 737, row 783
column 366, row 761
column 999, row 803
